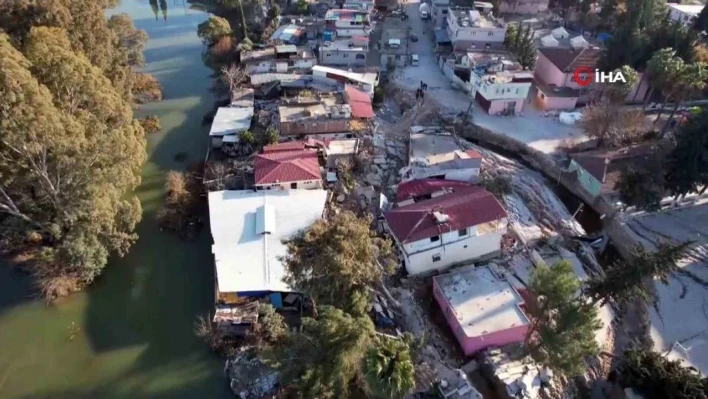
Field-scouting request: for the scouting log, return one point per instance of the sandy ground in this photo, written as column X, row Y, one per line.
column 544, row 134
column 683, row 303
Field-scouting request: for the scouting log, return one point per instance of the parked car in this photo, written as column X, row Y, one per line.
column 414, row 59
column 414, row 38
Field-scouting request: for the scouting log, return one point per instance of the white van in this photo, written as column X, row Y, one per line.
column 414, row 59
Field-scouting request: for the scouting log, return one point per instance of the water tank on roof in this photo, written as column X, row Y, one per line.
column 475, row 15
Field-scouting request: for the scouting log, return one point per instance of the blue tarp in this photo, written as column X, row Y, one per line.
column 276, row 300
column 603, row 37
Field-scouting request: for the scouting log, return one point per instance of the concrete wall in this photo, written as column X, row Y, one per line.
column 679, row 16
column 547, row 72
column 587, row 181
column 398, row 60
column 300, row 185
column 439, row 12
column 523, row 6
column 471, row 345
column 339, row 57
column 555, row 103
column 470, row 175
column 465, row 45
column 499, row 106
column 451, row 248
column 494, row 35
column 502, row 91
column 312, row 127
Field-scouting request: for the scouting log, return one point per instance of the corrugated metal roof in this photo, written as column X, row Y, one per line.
column 360, row 102
column 230, row 120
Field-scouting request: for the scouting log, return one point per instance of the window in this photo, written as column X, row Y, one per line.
column 490, row 33
column 345, row 55
column 328, row 55
column 434, row 238
column 462, row 232
column 444, row 12
column 436, row 258
column 360, row 57
column 517, row 91
column 487, row 46
column 474, row 33
column 398, row 57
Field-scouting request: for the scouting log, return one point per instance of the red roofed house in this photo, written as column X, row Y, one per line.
column 437, row 233
column 359, row 101
column 414, row 191
column 281, row 170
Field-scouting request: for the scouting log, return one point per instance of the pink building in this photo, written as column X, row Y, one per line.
column 481, row 308
column 557, row 89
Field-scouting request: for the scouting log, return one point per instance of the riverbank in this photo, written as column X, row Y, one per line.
column 130, row 334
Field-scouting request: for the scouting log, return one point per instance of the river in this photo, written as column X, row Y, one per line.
column 130, row 334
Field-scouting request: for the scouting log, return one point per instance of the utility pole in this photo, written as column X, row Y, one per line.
column 468, row 111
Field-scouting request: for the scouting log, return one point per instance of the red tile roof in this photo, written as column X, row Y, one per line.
column 286, row 146
column 418, row 188
column 287, row 166
column 474, row 154
column 466, row 207
column 359, row 101
column 567, row 60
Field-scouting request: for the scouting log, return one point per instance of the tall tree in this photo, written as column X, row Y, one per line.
column 625, row 280
column 664, row 69
column 642, row 186
column 324, row 359
column 388, row 369
column 563, row 324
column 691, row 79
column 687, row 164
column 652, row 375
column 337, row 262
column 521, row 43
column 214, row 28
column 58, row 180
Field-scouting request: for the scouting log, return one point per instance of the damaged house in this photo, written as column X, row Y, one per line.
column 320, row 115
column 435, row 153
column 280, row 59
column 464, row 224
column 284, row 166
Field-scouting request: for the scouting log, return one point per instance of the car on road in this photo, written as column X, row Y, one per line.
column 414, row 37
column 414, row 59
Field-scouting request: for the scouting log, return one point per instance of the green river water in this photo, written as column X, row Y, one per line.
column 130, row 334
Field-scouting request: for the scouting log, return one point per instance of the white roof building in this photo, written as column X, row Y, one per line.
column 549, row 41
column 560, row 33
column 231, row 120
column 248, row 228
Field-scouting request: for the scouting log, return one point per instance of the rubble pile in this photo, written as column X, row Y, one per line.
column 522, row 378
column 248, row 377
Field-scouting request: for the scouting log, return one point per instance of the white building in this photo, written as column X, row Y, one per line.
column 228, row 124
column 684, row 13
column 434, row 234
column 348, row 52
column 471, row 30
column 248, row 228
column 279, row 59
column 439, row 11
column 498, row 83
column 366, row 81
column 434, row 153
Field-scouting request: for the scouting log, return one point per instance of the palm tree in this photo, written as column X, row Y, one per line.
column 388, row 369
column 662, row 68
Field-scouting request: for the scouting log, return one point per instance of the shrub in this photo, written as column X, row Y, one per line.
column 272, row 325
column 498, row 185
column 150, row 124
column 180, row 211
